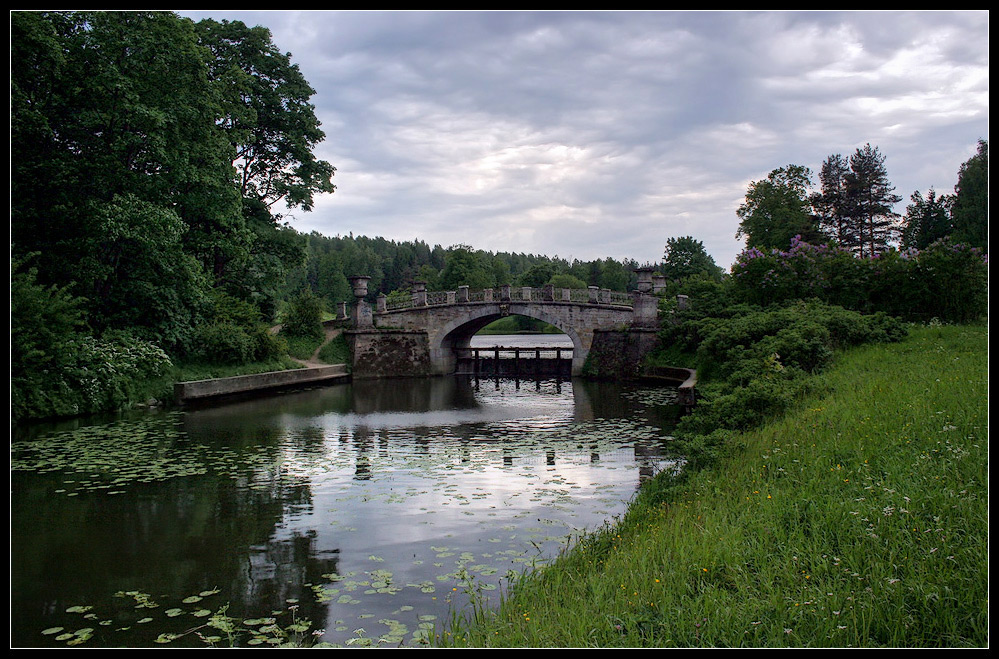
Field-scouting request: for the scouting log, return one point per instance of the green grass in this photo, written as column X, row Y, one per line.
column 335, row 351
column 303, row 347
column 860, row 519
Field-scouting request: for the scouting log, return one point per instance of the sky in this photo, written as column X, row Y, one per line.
column 588, row 135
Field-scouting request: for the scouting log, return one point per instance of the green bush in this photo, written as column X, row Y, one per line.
column 946, row 280
column 752, row 363
column 303, row 316
column 222, row 343
column 92, row 375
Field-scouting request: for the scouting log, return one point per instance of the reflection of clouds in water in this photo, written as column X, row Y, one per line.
column 380, row 420
column 538, row 404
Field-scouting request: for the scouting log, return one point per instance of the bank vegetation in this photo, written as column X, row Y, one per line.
column 858, row 518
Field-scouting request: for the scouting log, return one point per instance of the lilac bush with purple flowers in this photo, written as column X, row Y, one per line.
column 946, row 280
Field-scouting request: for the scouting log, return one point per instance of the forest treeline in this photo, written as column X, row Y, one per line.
column 394, row 267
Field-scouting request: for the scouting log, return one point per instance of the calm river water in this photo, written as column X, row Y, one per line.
column 357, row 513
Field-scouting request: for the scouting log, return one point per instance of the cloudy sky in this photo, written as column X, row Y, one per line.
column 601, row 134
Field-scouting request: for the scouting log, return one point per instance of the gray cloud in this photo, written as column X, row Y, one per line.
column 598, row 134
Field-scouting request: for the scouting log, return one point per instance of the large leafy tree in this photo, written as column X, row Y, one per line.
column 267, row 116
column 686, row 257
column 114, row 149
column 777, row 209
column 970, row 211
column 144, row 145
column 272, row 130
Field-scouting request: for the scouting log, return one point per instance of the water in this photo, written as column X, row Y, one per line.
column 355, row 511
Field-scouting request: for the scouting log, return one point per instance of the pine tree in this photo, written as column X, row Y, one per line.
column 832, row 206
column 927, row 219
column 871, row 200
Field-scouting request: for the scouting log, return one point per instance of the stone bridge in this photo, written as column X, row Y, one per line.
column 422, row 334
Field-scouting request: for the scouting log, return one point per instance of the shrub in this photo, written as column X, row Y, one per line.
column 945, row 280
column 92, row 375
column 752, row 364
column 304, row 316
column 222, row 343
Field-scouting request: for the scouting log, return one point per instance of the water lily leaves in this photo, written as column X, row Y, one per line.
column 80, row 636
column 78, row 609
column 52, row 630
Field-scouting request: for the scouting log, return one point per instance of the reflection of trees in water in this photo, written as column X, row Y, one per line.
column 283, row 569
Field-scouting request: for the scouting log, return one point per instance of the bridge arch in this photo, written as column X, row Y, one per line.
column 456, row 334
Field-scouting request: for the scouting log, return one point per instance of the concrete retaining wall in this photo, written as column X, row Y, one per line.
column 202, row 389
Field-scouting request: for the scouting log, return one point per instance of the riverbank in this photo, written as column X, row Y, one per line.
column 858, row 520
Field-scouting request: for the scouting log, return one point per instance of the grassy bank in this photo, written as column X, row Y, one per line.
column 858, row 519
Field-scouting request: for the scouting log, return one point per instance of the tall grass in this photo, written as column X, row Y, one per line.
column 860, row 519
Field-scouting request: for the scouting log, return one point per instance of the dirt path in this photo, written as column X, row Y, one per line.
column 331, row 333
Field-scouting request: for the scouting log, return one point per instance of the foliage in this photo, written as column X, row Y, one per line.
column 871, row 198
column 856, row 520
column 303, row 316
column 267, row 115
column 927, row 220
column 537, row 275
column 970, row 210
column 753, row 362
column 57, row 368
column 127, row 131
column 777, row 209
column 914, row 283
column 686, row 257
column 465, row 267
column 564, row 280
column 832, row 204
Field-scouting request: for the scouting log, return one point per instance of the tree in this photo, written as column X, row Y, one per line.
column 871, row 200
column 537, row 275
column 970, row 210
column 114, row 153
column 267, row 116
column 272, row 130
column 465, row 267
column 686, row 257
column 777, row 209
column 926, row 220
column 832, row 205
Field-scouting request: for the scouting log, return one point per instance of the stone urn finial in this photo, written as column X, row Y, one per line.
column 360, row 285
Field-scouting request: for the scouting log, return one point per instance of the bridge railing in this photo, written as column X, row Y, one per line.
column 425, row 298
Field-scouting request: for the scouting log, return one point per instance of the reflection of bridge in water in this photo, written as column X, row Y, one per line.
column 523, row 361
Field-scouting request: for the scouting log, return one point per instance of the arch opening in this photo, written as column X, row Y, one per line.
column 455, row 340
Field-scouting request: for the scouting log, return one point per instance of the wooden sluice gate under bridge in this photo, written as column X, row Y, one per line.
column 515, row 362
